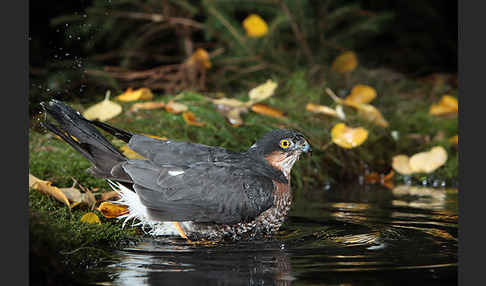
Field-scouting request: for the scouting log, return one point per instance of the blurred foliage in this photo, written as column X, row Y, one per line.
column 119, row 39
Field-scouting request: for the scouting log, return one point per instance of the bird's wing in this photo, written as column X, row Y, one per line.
column 171, row 152
column 203, row 192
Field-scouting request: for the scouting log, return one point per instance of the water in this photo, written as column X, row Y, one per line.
column 350, row 235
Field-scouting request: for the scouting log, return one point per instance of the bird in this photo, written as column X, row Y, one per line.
column 197, row 191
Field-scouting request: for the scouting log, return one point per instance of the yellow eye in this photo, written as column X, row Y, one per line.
column 284, row 143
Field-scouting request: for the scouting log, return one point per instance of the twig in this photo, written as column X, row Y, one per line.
column 157, row 18
column 298, row 34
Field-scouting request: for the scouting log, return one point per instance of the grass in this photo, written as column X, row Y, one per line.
column 403, row 102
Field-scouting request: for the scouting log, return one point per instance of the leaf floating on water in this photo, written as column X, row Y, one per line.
column 348, row 137
column 446, row 105
column 175, row 107
column 262, row 92
column 90, row 217
column 138, row 94
column 47, row 188
column 147, row 105
column 104, row 110
column 190, row 119
column 361, row 94
column 111, row 210
column 345, row 62
column 267, row 110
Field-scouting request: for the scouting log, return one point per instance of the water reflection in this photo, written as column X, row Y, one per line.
column 346, row 236
column 152, row 264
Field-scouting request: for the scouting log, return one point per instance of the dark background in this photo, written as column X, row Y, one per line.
column 421, row 39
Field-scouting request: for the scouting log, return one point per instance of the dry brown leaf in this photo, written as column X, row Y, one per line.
column 345, row 62
column 111, row 210
column 138, row 94
column 190, row 119
column 104, row 110
column 262, row 92
column 129, row 153
column 90, row 218
column 146, row 105
column 47, row 188
column 348, row 137
column 361, row 94
column 267, row 110
column 109, row 196
column 175, row 107
column 446, row 105
column 401, row 164
column 427, row 162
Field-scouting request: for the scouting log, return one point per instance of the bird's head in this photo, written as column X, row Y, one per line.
column 281, row 148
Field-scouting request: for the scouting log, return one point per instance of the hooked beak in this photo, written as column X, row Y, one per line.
column 305, row 146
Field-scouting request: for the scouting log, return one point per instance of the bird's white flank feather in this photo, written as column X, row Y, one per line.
column 138, row 213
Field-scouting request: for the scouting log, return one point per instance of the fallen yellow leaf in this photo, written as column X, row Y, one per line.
column 267, row 110
column 231, row 102
column 75, row 197
column 147, row 105
column 109, row 195
column 111, row 210
column 401, row 164
column 262, row 92
column 446, row 105
column 90, row 218
column 47, row 188
column 345, row 62
column 200, row 56
column 361, row 94
column 348, row 137
column 427, row 162
column 163, row 138
column 315, row 108
column 104, row 110
column 129, row 153
column 255, row 26
column 175, row 107
column 372, row 114
column 190, row 119
column 454, row 140
column 365, row 111
column 139, row 94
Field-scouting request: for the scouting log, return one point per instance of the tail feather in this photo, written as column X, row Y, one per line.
column 83, row 136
